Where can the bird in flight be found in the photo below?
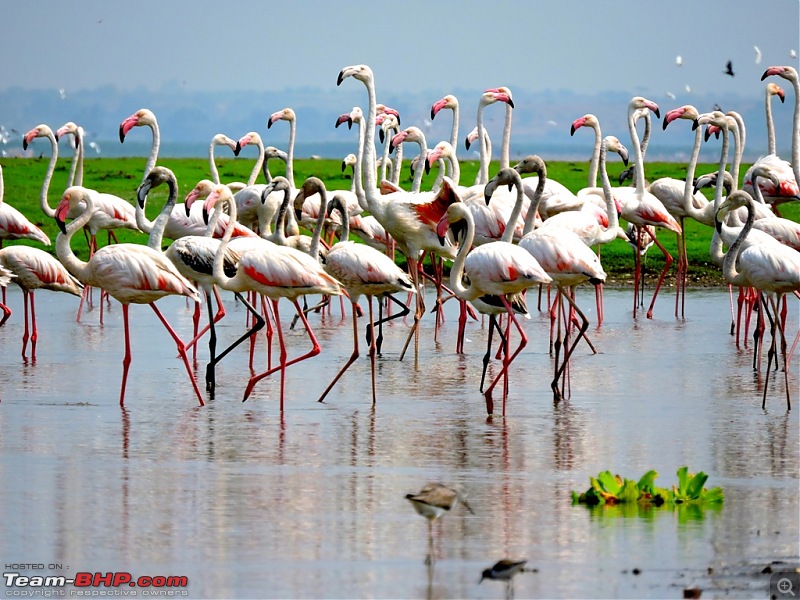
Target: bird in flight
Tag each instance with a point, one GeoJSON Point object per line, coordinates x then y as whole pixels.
{"type": "Point", "coordinates": [758, 54]}
{"type": "Point", "coordinates": [679, 60]}
{"type": "Point", "coordinates": [729, 69]}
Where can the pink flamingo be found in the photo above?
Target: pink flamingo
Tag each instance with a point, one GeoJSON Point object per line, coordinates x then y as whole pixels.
{"type": "Point", "coordinates": [34, 269]}
{"type": "Point", "coordinates": [497, 269]}
{"type": "Point", "coordinates": [567, 260]}
{"type": "Point", "coordinates": [276, 272]}
{"type": "Point", "coordinates": [642, 208]}
{"type": "Point", "coordinates": [771, 268]}
{"type": "Point", "coordinates": [362, 271]}
{"type": "Point", "coordinates": [130, 273]}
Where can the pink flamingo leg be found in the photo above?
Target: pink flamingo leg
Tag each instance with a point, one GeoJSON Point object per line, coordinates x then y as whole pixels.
{"type": "Point", "coordinates": [181, 350]}
{"type": "Point", "coordinates": [508, 358]}
{"type": "Point", "coordinates": [26, 333]}
{"type": "Point", "coordinates": [353, 355]}
{"type": "Point", "coordinates": [126, 360]}
{"type": "Point", "coordinates": [5, 309]}
{"type": "Point", "coordinates": [668, 258]}
{"type": "Point", "coordinates": [315, 349]}
{"type": "Point", "coordinates": [34, 331]}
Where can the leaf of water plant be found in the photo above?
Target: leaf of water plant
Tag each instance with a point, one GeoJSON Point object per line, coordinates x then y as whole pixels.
{"type": "Point", "coordinates": [609, 483]}
{"type": "Point", "coordinates": [695, 488]}
{"type": "Point", "coordinates": [647, 483]}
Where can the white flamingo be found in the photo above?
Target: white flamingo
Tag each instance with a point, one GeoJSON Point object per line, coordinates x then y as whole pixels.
{"type": "Point", "coordinates": [130, 273]}
{"type": "Point", "coordinates": [276, 272]}
{"type": "Point", "coordinates": [34, 269]}
{"type": "Point", "coordinates": [496, 269]}
{"type": "Point", "coordinates": [361, 270]}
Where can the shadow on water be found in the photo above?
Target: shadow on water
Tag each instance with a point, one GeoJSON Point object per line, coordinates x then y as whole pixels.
{"type": "Point", "coordinates": [248, 502]}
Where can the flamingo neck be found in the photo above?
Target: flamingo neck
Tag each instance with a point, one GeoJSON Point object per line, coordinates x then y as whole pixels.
{"type": "Point", "coordinates": [153, 158]}
{"type": "Point", "coordinates": [457, 269]}
{"type": "Point", "coordinates": [51, 167]}
{"type": "Point", "coordinates": [729, 262]}
{"type": "Point", "coordinates": [505, 149]}
{"type": "Point", "coordinates": [535, 201]}
{"type": "Point", "coordinates": [74, 265]}
{"type": "Point", "coordinates": [160, 224]}
{"type": "Point", "coordinates": [771, 147]}
{"type": "Point", "coordinates": [508, 232]}
{"type": "Point", "coordinates": [259, 163]}
{"type": "Point", "coordinates": [638, 152]}
{"type": "Point", "coordinates": [454, 129]}
{"type": "Point", "coordinates": [796, 129]}
{"type": "Point", "coordinates": [212, 164]}
{"type": "Point", "coordinates": [594, 165]}
{"type": "Point", "coordinates": [290, 153]}
{"type": "Point", "coordinates": [613, 218]}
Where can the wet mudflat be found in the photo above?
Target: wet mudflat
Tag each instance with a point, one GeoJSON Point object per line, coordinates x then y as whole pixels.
{"type": "Point", "coordinates": [248, 502]}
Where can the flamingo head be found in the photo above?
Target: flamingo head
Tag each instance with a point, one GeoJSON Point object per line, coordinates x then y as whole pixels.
{"type": "Point", "coordinates": [312, 185]}
{"type": "Point", "coordinates": [155, 178]}
{"type": "Point", "coordinates": [361, 72]}
{"type": "Point", "coordinates": [278, 184]}
{"type": "Point", "coordinates": [639, 103]}
{"type": "Point", "coordinates": [532, 163]}
{"type": "Point", "coordinates": [773, 89]}
{"type": "Point", "coordinates": [507, 176]}
{"type": "Point", "coordinates": [789, 73]}
{"type": "Point", "coordinates": [287, 114]}
{"type": "Point", "coordinates": [448, 101]}
{"type": "Point", "coordinates": [140, 118]}
{"type": "Point", "coordinates": [40, 130]}
{"type": "Point", "coordinates": [71, 198]}
{"type": "Point", "coordinates": [223, 140]}
{"type": "Point", "coordinates": [452, 220]}
{"type": "Point", "coordinates": [203, 188]}
{"type": "Point", "coordinates": [69, 128]}
{"type": "Point", "coordinates": [344, 118]}
{"type": "Point", "coordinates": [613, 144]}
{"type": "Point", "coordinates": [219, 193]}
{"type": "Point", "coordinates": [686, 111]}
{"type": "Point", "coordinates": [248, 138]}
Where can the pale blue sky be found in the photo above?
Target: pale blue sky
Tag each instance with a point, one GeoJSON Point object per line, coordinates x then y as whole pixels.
{"type": "Point", "coordinates": [579, 45]}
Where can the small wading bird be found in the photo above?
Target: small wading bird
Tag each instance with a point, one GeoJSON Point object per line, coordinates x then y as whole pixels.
{"type": "Point", "coordinates": [432, 501]}
{"type": "Point", "coordinates": [505, 570]}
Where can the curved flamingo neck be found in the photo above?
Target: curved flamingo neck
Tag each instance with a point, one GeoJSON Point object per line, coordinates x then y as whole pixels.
{"type": "Point", "coordinates": [595, 162]}
{"type": "Point", "coordinates": [153, 158]}
{"type": "Point", "coordinates": [454, 129]}
{"type": "Point", "coordinates": [212, 164]}
{"type": "Point", "coordinates": [736, 126]}
{"type": "Point", "coordinates": [771, 145]}
{"type": "Point", "coordinates": [219, 257]}
{"type": "Point", "coordinates": [290, 153]}
{"type": "Point", "coordinates": [638, 152]}
{"type": "Point", "coordinates": [715, 250]}
{"type": "Point", "coordinates": [279, 235]}
{"type": "Point", "coordinates": [74, 265]}
{"type": "Point", "coordinates": [259, 163]}
{"type": "Point", "coordinates": [508, 232]}
{"type": "Point", "coordinates": [160, 224]}
{"type": "Point", "coordinates": [729, 262]}
{"type": "Point", "coordinates": [796, 128]}
{"type": "Point", "coordinates": [457, 269]}
{"type": "Point", "coordinates": [51, 167]}
{"type": "Point", "coordinates": [484, 151]}
{"type": "Point", "coordinates": [613, 218]}
{"type": "Point", "coordinates": [535, 201]}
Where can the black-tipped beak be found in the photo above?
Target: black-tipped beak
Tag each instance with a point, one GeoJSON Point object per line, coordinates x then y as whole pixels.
{"type": "Point", "coordinates": [141, 194]}
{"type": "Point", "coordinates": [340, 78]}
{"type": "Point", "coordinates": [24, 144]}
{"type": "Point", "coordinates": [205, 215]}
{"type": "Point", "coordinates": [764, 76]}
{"type": "Point", "coordinates": [298, 214]}
{"type": "Point", "coordinates": [466, 143]}
{"type": "Point", "coordinates": [269, 123]}
{"type": "Point", "coordinates": [511, 103]}
{"type": "Point", "coordinates": [121, 134]}
{"type": "Point", "coordinates": [237, 149]}
{"type": "Point", "coordinates": [664, 124]}
{"type": "Point", "coordinates": [61, 225]}
{"type": "Point", "coordinates": [344, 166]}
{"type": "Point", "coordinates": [657, 113]}
{"type": "Point", "coordinates": [695, 124]}
{"type": "Point", "coordinates": [572, 129]}
{"type": "Point", "coordinates": [187, 208]}
{"type": "Point", "coordinates": [381, 136]}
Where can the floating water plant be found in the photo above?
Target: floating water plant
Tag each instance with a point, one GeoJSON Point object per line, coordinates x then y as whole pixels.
{"type": "Point", "coordinates": [611, 489]}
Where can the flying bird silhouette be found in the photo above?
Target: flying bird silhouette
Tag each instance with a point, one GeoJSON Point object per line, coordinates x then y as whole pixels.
{"type": "Point", "coordinates": [679, 60]}
{"type": "Point", "coordinates": [729, 69]}
{"type": "Point", "coordinates": [758, 54]}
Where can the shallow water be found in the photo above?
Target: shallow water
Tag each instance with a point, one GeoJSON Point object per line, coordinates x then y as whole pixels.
{"type": "Point", "coordinates": [248, 502]}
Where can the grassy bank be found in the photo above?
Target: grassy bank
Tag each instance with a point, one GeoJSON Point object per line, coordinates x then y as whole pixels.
{"type": "Point", "coordinates": [121, 176]}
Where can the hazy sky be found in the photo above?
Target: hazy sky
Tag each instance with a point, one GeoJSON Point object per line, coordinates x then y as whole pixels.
{"type": "Point", "coordinates": [580, 45]}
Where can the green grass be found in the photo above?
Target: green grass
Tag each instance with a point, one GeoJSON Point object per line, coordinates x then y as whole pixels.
{"type": "Point", "coordinates": [121, 176]}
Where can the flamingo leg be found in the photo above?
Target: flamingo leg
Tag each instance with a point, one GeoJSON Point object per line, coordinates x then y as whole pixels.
{"type": "Point", "coordinates": [126, 360]}
{"type": "Point", "coordinates": [404, 310]}
{"type": "Point", "coordinates": [508, 358]}
{"type": "Point", "coordinates": [34, 331]}
{"type": "Point", "coordinates": [771, 352]}
{"type": "Point", "coordinates": [5, 309]}
{"type": "Point", "coordinates": [315, 349]}
{"type": "Point", "coordinates": [373, 352]}
{"type": "Point", "coordinates": [258, 324]}
{"type": "Point", "coordinates": [637, 272]}
{"type": "Point", "coordinates": [26, 332]}
{"type": "Point", "coordinates": [668, 258]}
{"type": "Point", "coordinates": [351, 360]}
{"type": "Point", "coordinates": [570, 349]}
{"type": "Point", "coordinates": [413, 271]}
{"type": "Point", "coordinates": [493, 326]}
{"type": "Point", "coordinates": [212, 320]}
{"type": "Point", "coordinates": [181, 350]}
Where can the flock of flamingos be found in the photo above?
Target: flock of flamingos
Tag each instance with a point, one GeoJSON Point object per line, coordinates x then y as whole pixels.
{"type": "Point", "coordinates": [504, 235]}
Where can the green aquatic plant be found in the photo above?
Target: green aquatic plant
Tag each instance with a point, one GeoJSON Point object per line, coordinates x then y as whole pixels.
{"type": "Point", "coordinates": [609, 489]}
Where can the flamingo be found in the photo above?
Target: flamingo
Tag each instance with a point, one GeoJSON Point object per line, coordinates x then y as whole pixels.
{"type": "Point", "coordinates": [76, 168]}
{"type": "Point", "coordinates": [144, 117]}
{"type": "Point", "coordinates": [771, 268]}
{"type": "Point", "coordinates": [498, 269]}
{"type": "Point", "coordinates": [5, 279]}
{"type": "Point", "coordinates": [16, 226]}
{"type": "Point", "coordinates": [789, 172]}
{"type": "Point", "coordinates": [361, 270]}
{"type": "Point", "coordinates": [640, 206]}
{"type": "Point", "coordinates": [130, 273]}
{"type": "Point", "coordinates": [276, 272]}
{"type": "Point", "coordinates": [34, 269]}
{"type": "Point", "coordinates": [681, 201]}
{"type": "Point", "coordinates": [410, 219]}
{"type": "Point", "coordinates": [193, 256]}
{"type": "Point", "coordinates": [449, 102]}
{"type": "Point", "coordinates": [567, 260]}
{"type": "Point", "coordinates": [593, 227]}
